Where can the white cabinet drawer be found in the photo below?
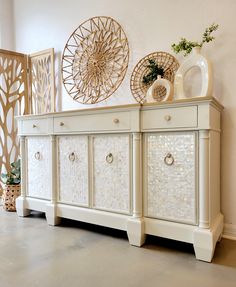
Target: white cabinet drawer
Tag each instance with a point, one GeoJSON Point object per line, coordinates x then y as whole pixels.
{"type": "Point", "coordinates": [94, 122]}
{"type": "Point", "coordinates": [38, 167]}
{"type": "Point", "coordinates": [73, 169]}
{"type": "Point", "coordinates": [171, 176]}
{"type": "Point", "coordinates": [111, 173]}
{"type": "Point", "coordinates": [183, 117]}
{"type": "Point", "coordinates": [36, 126]}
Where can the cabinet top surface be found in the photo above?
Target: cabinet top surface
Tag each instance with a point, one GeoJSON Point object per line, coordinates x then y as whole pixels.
{"type": "Point", "coordinates": [130, 107]}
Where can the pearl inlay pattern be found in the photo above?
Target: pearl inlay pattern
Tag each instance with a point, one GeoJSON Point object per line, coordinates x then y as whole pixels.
{"type": "Point", "coordinates": [112, 177]}
{"type": "Point", "coordinates": [73, 169]}
{"type": "Point", "coordinates": [171, 189]}
{"type": "Point", "coordinates": [38, 169]}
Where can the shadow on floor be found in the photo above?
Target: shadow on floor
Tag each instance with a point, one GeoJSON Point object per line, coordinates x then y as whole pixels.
{"type": "Point", "coordinates": [225, 253]}
{"type": "Point", "coordinates": [164, 244]}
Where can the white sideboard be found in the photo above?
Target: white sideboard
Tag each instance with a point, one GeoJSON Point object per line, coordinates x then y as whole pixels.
{"type": "Point", "coordinates": [151, 169]}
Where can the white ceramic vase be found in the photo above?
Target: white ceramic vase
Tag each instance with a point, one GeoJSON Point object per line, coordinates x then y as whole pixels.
{"type": "Point", "coordinates": [195, 59]}
{"type": "Point", "coordinates": [160, 82]}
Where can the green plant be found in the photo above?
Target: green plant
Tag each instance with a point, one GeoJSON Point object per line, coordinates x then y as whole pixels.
{"type": "Point", "coordinates": [13, 176]}
{"type": "Point", "coordinates": [187, 46]}
{"type": "Point", "coordinates": [155, 70]}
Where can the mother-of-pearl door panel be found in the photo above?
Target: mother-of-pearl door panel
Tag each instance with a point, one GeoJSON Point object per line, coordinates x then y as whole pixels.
{"type": "Point", "coordinates": [111, 173]}
{"type": "Point", "coordinates": [73, 169]}
{"type": "Point", "coordinates": [171, 176]}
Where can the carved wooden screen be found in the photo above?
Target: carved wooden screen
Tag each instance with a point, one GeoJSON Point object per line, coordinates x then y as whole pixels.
{"type": "Point", "coordinates": [42, 86]}
{"type": "Point", "coordinates": [13, 101]}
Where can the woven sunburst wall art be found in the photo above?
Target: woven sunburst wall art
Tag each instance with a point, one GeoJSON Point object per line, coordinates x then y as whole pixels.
{"type": "Point", "coordinates": [95, 60]}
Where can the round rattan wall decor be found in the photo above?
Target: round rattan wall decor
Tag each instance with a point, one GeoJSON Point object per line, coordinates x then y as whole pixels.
{"type": "Point", "coordinates": [164, 60]}
{"type": "Point", "coordinates": [95, 60]}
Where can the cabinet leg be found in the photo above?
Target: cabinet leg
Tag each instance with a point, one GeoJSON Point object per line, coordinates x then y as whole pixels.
{"type": "Point", "coordinates": [204, 240]}
{"type": "Point", "coordinates": [21, 207]}
{"type": "Point", "coordinates": [52, 218]}
{"type": "Point", "coordinates": [135, 231]}
{"type": "Point", "coordinates": [203, 244]}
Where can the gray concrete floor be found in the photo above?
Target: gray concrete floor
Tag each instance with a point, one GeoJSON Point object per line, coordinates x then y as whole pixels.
{"type": "Point", "coordinates": [77, 254]}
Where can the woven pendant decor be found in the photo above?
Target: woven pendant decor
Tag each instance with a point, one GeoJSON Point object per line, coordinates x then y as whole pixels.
{"type": "Point", "coordinates": [95, 60]}
{"type": "Point", "coordinates": [164, 60]}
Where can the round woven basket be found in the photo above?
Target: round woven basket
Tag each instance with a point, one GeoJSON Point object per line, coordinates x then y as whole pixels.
{"type": "Point", "coordinates": [164, 60]}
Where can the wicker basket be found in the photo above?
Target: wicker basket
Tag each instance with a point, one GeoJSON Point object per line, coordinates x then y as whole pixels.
{"type": "Point", "coordinates": [164, 60]}
{"type": "Point", "coordinates": [10, 193]}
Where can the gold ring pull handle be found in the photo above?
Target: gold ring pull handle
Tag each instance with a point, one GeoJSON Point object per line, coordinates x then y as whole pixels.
{"type": "Point", "coordinates": [72, 156]}
{"type": "Point", "coordinates": [169, 159]}
{"type": "Point", "coordinates": [37, 155]}
{"type": "Point", "coordinates": [109, 158]}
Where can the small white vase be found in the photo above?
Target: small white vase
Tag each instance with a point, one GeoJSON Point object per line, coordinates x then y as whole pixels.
{"type": "Point", "coordinates": [195, 59]}
{"type": "Point", "coordinates": [160, 82]}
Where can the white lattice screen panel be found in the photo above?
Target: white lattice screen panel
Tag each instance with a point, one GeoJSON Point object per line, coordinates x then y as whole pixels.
{"type": "Point", "coordinates": [42, 84]}
{"type": "Point", "coordinates": [13, 101]}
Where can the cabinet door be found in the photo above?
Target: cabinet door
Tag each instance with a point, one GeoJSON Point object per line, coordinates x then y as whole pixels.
{"type": "Point", "coordinates": [111, 173]}
{"type": "Point", "coordinates": [171, 176]}
{"type": "Point", "coordinates": [38, 167]}
{"type": "Point", "coordinates": [73, 169]}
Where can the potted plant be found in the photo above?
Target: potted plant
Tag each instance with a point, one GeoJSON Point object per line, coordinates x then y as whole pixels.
{"type": "Point", "coordinates": [12, 186]}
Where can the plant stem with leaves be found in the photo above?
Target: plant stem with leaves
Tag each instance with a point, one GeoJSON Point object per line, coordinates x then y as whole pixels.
{"type": "Point", "coordinates": [187, 46]}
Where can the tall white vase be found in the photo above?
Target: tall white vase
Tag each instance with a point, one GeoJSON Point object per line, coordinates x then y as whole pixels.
{"type": "Point", "coordinates": [195, 59]}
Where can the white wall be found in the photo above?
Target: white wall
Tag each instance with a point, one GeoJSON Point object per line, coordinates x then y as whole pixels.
{"type": "Point", "coordinates": [151, 25]}
{"type": "Point", "coordinates": [6, 25]}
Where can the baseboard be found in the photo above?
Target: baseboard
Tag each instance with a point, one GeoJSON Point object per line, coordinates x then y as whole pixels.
{"type": "Point", "coordinates": [229, 231]}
